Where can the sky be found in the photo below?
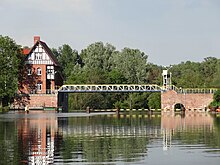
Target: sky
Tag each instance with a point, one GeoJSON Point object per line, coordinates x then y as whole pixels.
{"type": "Point", "coordinates": [168, 31]}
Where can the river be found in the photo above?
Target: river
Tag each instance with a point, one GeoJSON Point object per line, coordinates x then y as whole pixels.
{"type": "Point", "coordinates": [136, 138]}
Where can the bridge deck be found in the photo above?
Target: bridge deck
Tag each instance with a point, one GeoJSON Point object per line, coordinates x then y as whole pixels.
{"type": "Point", "coordinates": [114, 88]}
{"type": "Point", "coordinates": [110, 88]}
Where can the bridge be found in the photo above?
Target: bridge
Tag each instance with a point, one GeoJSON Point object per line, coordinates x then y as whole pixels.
{"type": "Point", "coordinates": [189, 98]}
{"type": "Point", "coordinates": [110, 88]}
{"type": "Point", "coordinates": [129, 88]}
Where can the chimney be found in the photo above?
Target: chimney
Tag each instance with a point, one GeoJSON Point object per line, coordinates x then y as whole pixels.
{"type": "Point", "coordinates": [36, 38]}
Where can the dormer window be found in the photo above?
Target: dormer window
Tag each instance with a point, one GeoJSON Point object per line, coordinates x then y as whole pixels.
{"type": "Point", "coordinates": [38, 71]}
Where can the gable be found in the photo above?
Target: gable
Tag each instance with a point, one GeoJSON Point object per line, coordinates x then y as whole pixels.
{"type": "Point", "coordinates": [41, 54]}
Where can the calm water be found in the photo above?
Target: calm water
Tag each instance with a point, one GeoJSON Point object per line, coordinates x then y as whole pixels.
{"type": "Point", "coordinates": [49, 138]}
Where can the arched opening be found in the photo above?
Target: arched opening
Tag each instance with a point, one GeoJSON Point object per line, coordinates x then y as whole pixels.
{"type": "Point", "coordinates": [179, 107]}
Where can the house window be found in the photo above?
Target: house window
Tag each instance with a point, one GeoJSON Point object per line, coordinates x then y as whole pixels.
{"type": "Point", "coordinates": [39, 86]}
{"type": "Point", "coordinates": [38, 71]}
{"type": "Point", "coordinates": [29, 71]}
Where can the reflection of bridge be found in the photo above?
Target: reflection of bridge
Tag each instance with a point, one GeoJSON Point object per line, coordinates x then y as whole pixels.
{"type": "Point", "coordinates": [103, 130]}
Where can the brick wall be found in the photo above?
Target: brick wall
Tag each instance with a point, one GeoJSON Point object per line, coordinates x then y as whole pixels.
{"type": "Point", "coordinates": [190, 101]}
{"type": "Point", "coordinates": [43, 100]}
{"type": "Point", "coordinates": [35, 101]}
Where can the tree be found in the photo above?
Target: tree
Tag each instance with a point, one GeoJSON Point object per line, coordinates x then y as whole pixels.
{"type": "Point", "coordinates": [98, 56]}
{"type": "Point", "coordinates": [67, 58]}
{"type": "Point", "coordinates": [216, 76]}
{"type": "Point", "coordinates": [197, 75]}
{"type": "Point", "coordinates": [154, 101]}
{"type": "Point", "coordinates": [10, 57]}
{"type": "Point", "coordinates": [132, 64]}
{"type": "Point", "coordinates": [216, 100]}
{"type": "Point", "coordinates": [154, 74]}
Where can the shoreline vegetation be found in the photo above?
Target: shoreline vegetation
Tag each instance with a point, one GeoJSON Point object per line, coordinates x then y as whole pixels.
{"type": "Point", "coordinates": [101, 63]}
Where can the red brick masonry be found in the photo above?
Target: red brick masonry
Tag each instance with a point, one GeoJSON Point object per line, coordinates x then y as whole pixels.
{"type": "Point", "coordinates": [36, 101]}
{"type": "Point", "coordinates": [189, 100]}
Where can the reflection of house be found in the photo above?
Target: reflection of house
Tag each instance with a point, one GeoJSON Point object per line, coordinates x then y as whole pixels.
{"type": "Point", "coordinates": [41, 73]}
{"type": "Point", "coordinates": [40, 77]}
{"type": "Point", "coordinates": [37, 139]}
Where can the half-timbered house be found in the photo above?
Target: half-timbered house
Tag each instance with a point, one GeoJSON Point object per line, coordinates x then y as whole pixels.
{"type": "Point", "coordinates": [42, 75]}
{"type": "Point", "coordinates": [39, 78]}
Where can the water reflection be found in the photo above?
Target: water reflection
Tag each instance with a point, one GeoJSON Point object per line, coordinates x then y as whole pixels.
{"type": "Point", "coordinates": [187, 125]}
{"type": "Point", "coordinates": [105, 139]}
{"type": "Point", "coordinates": [36, 137]}
{"type": "Point", "coordinates": [47, 139]}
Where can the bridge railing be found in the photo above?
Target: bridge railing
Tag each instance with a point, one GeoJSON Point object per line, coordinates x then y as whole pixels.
{"type": "Point", "coordinates": [199, 90]}
{"type": "Point", "coordinates": [192, 90]}
{"type": "Point", "coordinates": [110, 88]}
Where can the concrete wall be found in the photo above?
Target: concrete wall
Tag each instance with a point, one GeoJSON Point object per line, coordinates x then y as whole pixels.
{"type": "Point", "coordinates": [189, 100]}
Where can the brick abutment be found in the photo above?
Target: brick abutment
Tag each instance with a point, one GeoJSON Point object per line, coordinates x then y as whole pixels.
{"type": "Point", "coordinates": [169, 99]}
{"type": "Point", "coordinates": [190, 101]}
{"type": "Point", "coordinates": [35, 101]}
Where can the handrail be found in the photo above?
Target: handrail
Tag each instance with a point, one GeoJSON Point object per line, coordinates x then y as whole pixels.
{"type": "Point", "coordinates": [93, 88]}
{"type": "Point", "coordinates": [86, 88]}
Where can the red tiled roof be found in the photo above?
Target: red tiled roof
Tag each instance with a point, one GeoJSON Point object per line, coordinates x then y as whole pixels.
{"type": "Point", "coordinates": [25, 51]}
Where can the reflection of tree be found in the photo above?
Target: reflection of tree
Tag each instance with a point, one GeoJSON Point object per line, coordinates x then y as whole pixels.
{"type": "Point", "coordinates": [105, 139]}
{"type": "Point", "coordinates": [216, 138]}
{"type": "Point", "coordinates": [102, 149]}
{"type": "Point", "coordinates": [9, 143]}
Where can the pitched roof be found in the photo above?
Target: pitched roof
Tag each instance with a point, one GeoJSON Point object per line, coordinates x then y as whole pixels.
{"type": "Point", "coordinates": [47, 50]}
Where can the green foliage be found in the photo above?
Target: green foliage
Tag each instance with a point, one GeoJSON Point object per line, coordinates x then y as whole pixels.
{"type": "Point", "coordinates": [216, 79]}
{"type": "Point", "coordinates": [216, 100]}
{"type": "Point", "coordinates": [10, 57]}
{"type": "Point", "coordinates": [67, 59]}
{"type": "Point", "coordinates": [153, 75]}
{"type": "Point", "coordinates": [102, 64]}
{"type": "Point", "coordinates": [197, 75]}
{"type": "Point", "coordinates": [154, 101]}
{"type": "Point", "coordinates": [132, 64]}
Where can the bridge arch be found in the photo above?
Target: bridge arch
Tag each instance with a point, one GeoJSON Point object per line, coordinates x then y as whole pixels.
{"type": "Point", "coordinates": [179, 106]}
